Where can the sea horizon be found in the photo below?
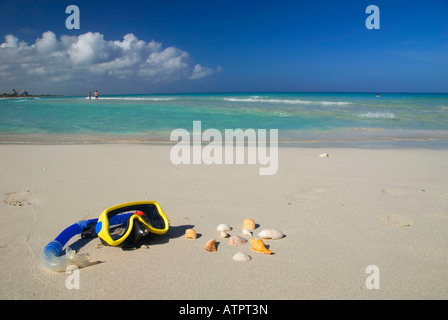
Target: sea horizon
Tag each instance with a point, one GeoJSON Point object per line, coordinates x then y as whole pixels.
{"type": "Point", "coordinates": [252, 92]}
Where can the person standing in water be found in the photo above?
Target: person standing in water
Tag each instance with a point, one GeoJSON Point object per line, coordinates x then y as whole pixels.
{"type": "Point", "coordinates": [90, 95]}
{"type": "Point", "coordinates": [96, 94]}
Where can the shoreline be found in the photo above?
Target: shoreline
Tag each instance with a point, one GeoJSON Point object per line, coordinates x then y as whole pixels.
{"type": "Point", "coordinates": [341, 214]}
{"type": "Point", "coordinates": [378, 143]}
{"type": "Point", "coordinates": [29, 96]}
{"type": "Point", "coordinates": [20, 96]}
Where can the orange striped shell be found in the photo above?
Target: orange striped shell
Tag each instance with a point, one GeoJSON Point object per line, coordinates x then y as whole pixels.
{"type": "Point", "coordinates": [210, 246]}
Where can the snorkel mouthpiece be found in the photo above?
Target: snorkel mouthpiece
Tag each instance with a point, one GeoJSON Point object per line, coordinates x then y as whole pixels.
{"type": "Point", "coordinates": [51, 260]}
{"type": "Point", "coordinates": [50, 257]}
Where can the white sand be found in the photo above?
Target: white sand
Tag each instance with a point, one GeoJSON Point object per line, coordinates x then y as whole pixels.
{"type": "Point", "coordinates": [340, 214]}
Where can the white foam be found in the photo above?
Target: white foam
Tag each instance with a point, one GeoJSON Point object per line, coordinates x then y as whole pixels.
{"type": "Point", "coordinates": [286, 101]}
{"type": "Point", "coordinates": [377, 115]}
{"type": "Point", "coordinates": [267, 100]}
{"type": "Point", "coordinates": [338, 103]}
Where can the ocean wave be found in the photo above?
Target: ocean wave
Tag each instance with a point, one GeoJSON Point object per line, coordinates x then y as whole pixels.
{"type": "Point", "coordinates": [337, 103]}
{"type": "Point", "coordinates": [377, 115]}
{"type": "Point", "coordinates": [286, 101]}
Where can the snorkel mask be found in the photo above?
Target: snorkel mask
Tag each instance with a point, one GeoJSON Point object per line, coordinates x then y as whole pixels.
{"type": "Point", "coordinates": [128, 223]}
{"type": "Point", "coordinates": [122, 225]}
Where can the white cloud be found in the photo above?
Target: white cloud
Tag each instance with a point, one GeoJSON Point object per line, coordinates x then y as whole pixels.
{"type": "Point", "coordinates": [47, 44]}
{"type": "Point", "coordinates": [202, 72]}
{"type": "Point", "coordinates": [73, 60]}
{"type": "Point", "coordinates": [11, 42]}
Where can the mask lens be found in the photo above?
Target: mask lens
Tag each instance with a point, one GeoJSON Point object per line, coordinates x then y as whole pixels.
{"type": "Point", "coordinates": [118, 224]}
{"type": "Point", "coordinates": [119, 219]}
{"type": "Point", "coordinates": [152, 217]}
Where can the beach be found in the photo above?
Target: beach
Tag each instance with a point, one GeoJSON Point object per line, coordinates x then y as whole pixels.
{"type": "Point", "coordinates": [136, 145]}
{"type": "Point", "coordinates": [359, 207]}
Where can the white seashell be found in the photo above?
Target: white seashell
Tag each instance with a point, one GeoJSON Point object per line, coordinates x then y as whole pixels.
{"type": "Point", "coordinates": [247, 232]}
{"type": "Point", "coordinates": [270, 234]}
{"type": "Point", "coordinates": [223, 227]}
{"type": "Point", "coordinates": [324, 155]}
{"type": "Point", "coordinates": [241, 256]}
{"type": "Point", "coordinates": [223, 234]}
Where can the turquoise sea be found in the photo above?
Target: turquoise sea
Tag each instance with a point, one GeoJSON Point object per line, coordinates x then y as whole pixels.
{"type": "Point", "coordinates": [299, 117]}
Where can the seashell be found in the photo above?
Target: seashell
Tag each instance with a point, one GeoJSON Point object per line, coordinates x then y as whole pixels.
{"type": "Point", "coordinates": [236, 241]}
{"type": "Point", "coordinates": [223, 227]}
{"type": "Point", "coordinates": [223, 234]}
{"type": "Point", "coordinates": [210, 246]}
{"type": "Point", "coordinates": [190, 234]}
{"type": "Point", "coordinates": [259, 247]}
{"type": "Point", "coordinates": [249, 224]}
{"type": "Point", "coordinates": [273, 234]}
{"type": "Point", "coordinates": [324, 155]}
{"type": "Point", "coordinates": [247, 232]}
{"type": "Point", "coordinates": [241, 256]}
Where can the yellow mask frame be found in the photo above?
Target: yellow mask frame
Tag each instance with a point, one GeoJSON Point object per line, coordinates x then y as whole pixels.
{"type": "Point", "coordinates": [148, 213]}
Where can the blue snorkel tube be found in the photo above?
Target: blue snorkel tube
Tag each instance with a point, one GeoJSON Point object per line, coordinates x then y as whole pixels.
{"type": "Point", "coordinates": [50, 257]}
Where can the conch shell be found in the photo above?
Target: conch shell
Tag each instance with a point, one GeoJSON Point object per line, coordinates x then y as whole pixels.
{"type": "Point", "coordinates": [259, 247]}
{"type": "Point", "coordinates": [273, 234]}
{"type": "Point", "coordinates": [190, 234]}
{"type": "Point", "coordinates": [210, 246]}
{"type": "Point", "coordinates": [249, 224]}
{"type": "Point", "coordinates": [236, 241]}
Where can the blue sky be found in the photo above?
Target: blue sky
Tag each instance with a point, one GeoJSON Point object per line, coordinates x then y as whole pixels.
{"type": "Point", "coordinates": [224, 46]}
